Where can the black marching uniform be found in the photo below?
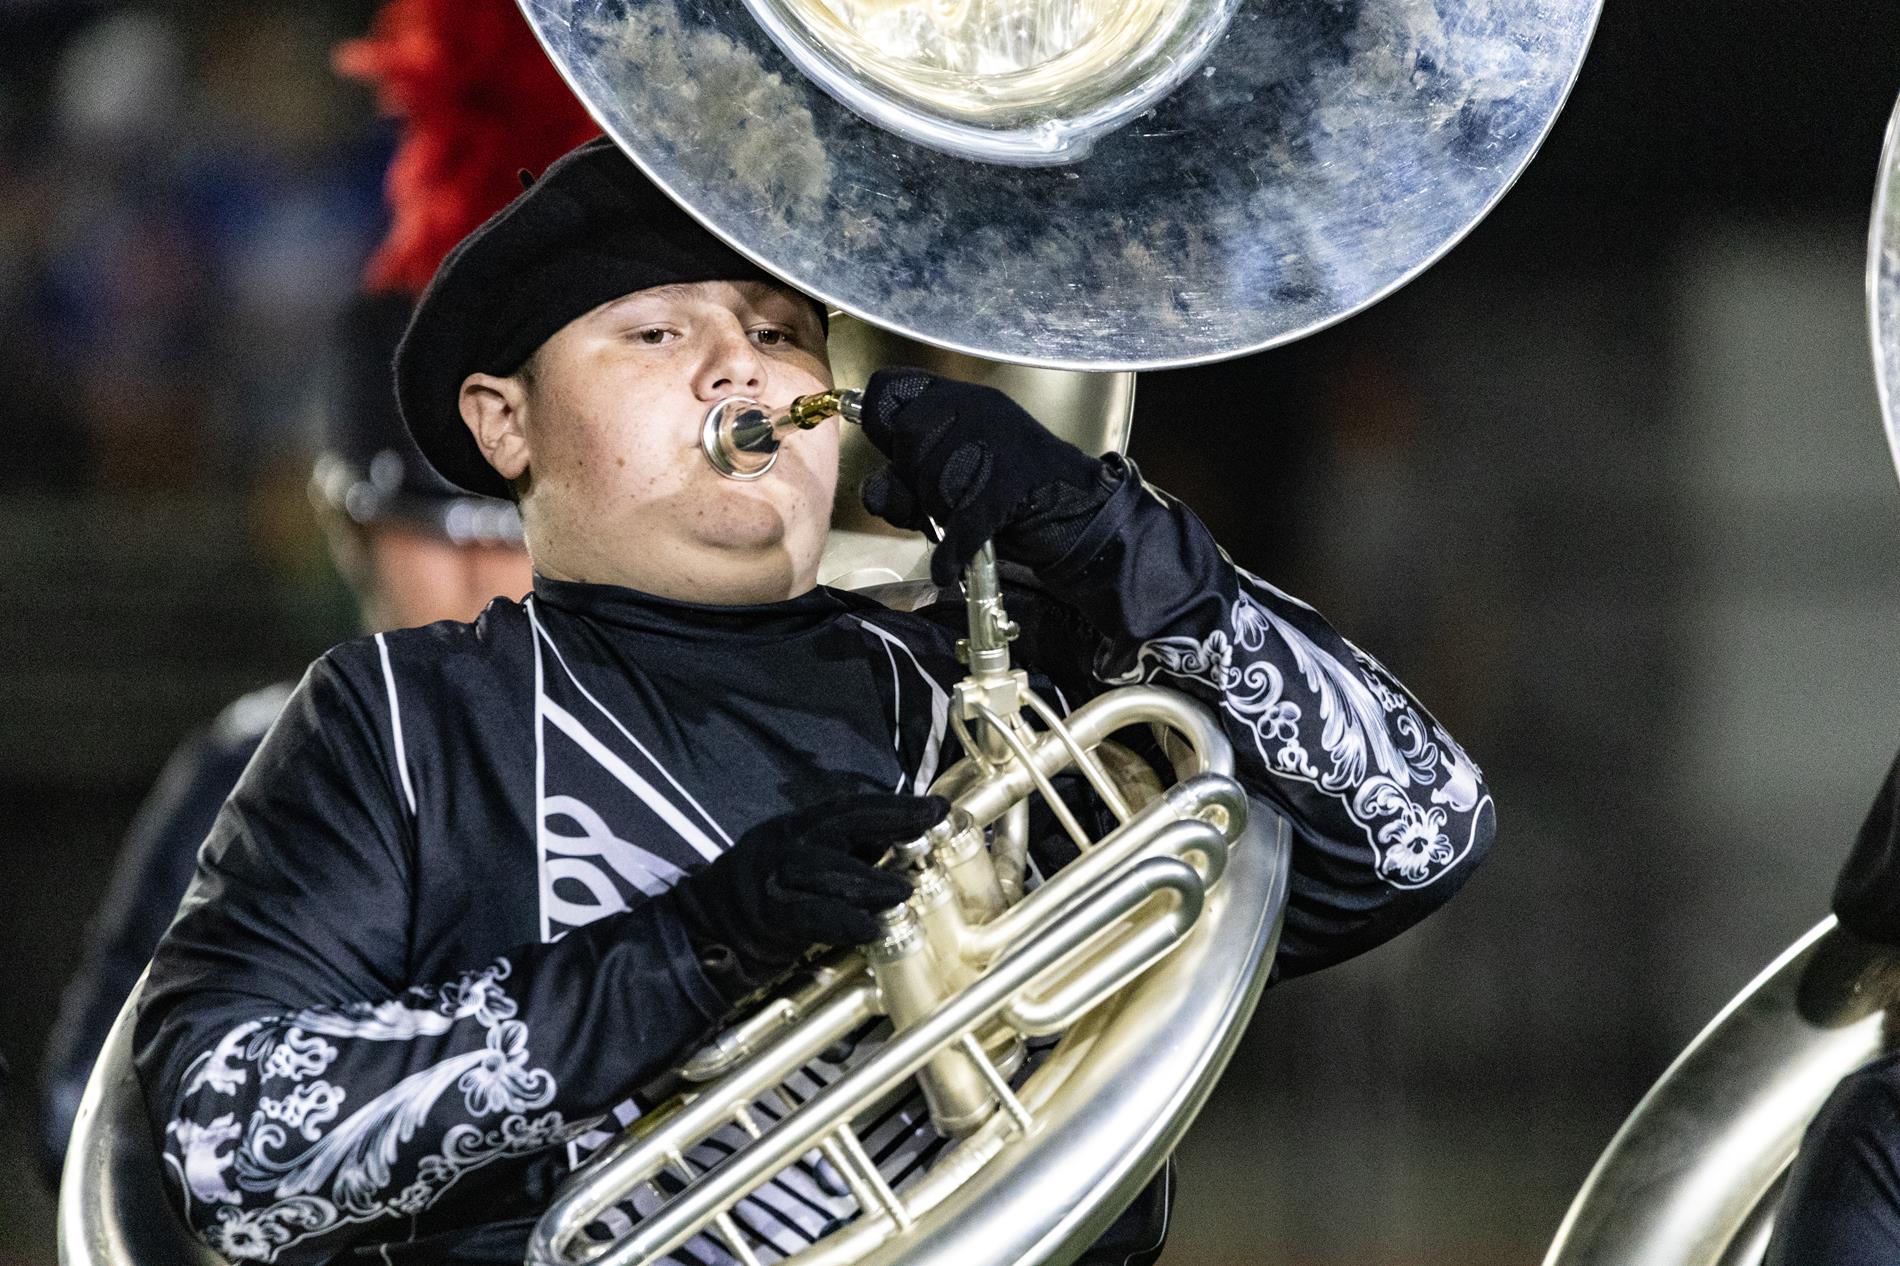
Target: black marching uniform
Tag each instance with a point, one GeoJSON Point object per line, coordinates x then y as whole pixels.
{"type": "Point", "coordinates": [430, 953]}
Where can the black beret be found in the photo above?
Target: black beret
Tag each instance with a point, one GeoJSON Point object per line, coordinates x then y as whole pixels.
{"type": "Point", "coordinates": [590, 230]}
{"type": "Point", "coordinates": [368, 469]}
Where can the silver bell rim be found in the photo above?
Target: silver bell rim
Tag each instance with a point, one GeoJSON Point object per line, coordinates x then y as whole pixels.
{"type": "Point", "coordinates": [1883, 286]}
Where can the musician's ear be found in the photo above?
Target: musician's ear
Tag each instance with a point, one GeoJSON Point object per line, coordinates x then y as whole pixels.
{"type": "Point", "coordinates": [494, 409]}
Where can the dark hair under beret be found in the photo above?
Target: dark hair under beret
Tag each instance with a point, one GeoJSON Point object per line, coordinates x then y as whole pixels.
{"type": "Point", "coordinates": [590, 230]}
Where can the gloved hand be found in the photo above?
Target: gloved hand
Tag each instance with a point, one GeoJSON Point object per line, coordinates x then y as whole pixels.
{"type": "Point", "coordinates": [970, 458]}
{"type": "Point", "coordinates": [801, 879]}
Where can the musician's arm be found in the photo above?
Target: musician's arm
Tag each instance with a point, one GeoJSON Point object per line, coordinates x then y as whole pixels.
{"type": "Point", "coordinates": [1389, 814]}
{"type": "Point", "coordinates": [308, 1093]}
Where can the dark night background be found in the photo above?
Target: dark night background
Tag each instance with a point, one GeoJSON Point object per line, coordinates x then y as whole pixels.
{"type": "Point", "coordinates": [1607, 487]}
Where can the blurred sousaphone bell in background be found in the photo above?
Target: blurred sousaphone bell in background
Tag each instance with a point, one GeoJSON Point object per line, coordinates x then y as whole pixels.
{"type": "Point", "coordinates": [1694, 1176]}
{"type": "Point", "coordinates": [1047, 196]}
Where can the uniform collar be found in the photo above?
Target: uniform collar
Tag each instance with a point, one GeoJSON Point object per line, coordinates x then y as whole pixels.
{"type": "Point", "coordinates": [632, 609]}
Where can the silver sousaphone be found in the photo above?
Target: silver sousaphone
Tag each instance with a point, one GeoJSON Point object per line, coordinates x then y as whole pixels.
{"type": "Point", "coordinates": [1694, 1175]}
{"type": "Point", "coordinates": [1048, 195]}
{"type": "Point", "coordinates": [1071, 185]}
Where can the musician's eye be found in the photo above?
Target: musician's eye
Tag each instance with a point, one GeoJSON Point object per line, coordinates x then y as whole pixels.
{"type": "Point", "coordinates": [655, 335]}
{"type": "Point", "coordinates": [771, 336]}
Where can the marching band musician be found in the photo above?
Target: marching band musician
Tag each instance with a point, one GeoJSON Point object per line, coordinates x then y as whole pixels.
{"type": "Point", "coordinates": [484, 881]}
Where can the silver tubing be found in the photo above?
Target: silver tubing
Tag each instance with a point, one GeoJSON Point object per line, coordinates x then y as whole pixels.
{"type": "Point", "coordinates": [732, 1046]}
{"type": "Point", "coordinates": [609, 1179]}
{"type": "Point", "coordinates": [1114, 966]}
{"type": "Point", "coordinates": [1159, 830]}
{"type": "Point", "coordinates": [1014, 742]}
{"type": "Point", "coordinates": [999, 1087]}
{"type": "Point", "coordinates": [851, 1147]}
{"type": "Point", "coordinates": [1082, 758]}
{"type": "Point", "coordinates": [1009, 851]}
{"type": "Point", "coordinates": [1092, 723]}
{"type": "Point", "coordinates": [903, 1056]}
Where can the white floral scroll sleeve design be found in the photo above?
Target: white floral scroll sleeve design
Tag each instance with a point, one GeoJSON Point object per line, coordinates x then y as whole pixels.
{"type": "Point", "coordinates": [1317, 710]}
{"type": "Point", "coordinates": [271, 1150]}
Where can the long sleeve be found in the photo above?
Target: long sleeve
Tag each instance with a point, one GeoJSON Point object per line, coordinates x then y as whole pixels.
{"type": "Point", "coordinates": [307, 1093]}
{"type": "Point", "coordinates": [1389, 814]}
{"type": "Point", "coordinates": [149, 876]}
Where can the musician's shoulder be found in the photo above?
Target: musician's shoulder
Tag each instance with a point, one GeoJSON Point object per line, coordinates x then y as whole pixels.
{"type": "Point", "coordinates": [244, 720]}
{"type": "Point", "coordinates": [447, 650]}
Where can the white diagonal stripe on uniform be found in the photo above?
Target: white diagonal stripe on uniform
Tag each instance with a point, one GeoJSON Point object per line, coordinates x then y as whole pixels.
{"type": "Point", "coordinates": [540, 794]}
{"type": "Point", "coordinates": [939, 709]}
{"type": "Point", "coordinates": [395, 724]}
{"type": "Point", "coordinates": [625, 733]}
{"type": "Point", "coordinates": [667, 811]}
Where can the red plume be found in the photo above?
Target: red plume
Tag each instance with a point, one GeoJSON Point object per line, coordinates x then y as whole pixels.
{"type": "Point", "coordinates": [479, 101]}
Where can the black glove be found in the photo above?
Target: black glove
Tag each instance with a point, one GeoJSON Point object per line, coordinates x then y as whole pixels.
{"type": "Point", "coordinates": [973, 460]}
{"type": "Point", "coordinates": [801, 879]}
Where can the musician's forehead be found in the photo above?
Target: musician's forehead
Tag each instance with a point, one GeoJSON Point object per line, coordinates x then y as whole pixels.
{"type": "Point", "coordinates": [749, 290]}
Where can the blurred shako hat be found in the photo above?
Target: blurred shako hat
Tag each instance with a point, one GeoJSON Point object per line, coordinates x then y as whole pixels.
{"type": "Point", "coordinates": [368, 470]}
{"type": "Point", "coordinates": [590, 230]}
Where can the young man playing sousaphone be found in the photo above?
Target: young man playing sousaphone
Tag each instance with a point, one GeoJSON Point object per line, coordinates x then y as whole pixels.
{"type": "Point", "coordinates": [484, 881]}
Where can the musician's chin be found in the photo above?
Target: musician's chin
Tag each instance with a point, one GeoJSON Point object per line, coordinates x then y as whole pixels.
{"type": "Point", "coordinates": [743, 524]}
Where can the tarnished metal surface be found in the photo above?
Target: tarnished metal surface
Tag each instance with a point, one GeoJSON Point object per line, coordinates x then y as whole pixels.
{"type": "Point", "coordinates": [1883, 284]}
{"type": "Point", "coordinates": [1692, 1176]}
{"type": "Point", "coordinates": [1325, 152]}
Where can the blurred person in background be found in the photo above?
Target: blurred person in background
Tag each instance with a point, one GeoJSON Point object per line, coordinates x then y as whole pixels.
{"type": "Point", "coordinates": [1842, 1206]}
{"type": "Point", "coordinates": [478, 102]}
{"type": "Point", "coordinates": [204, 205]}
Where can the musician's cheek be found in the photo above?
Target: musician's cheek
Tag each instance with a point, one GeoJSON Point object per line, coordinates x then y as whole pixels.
{"type": "Point", "coordinates": [610, 433]}
{"type": "Point", "coordinates": [812, 470]}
